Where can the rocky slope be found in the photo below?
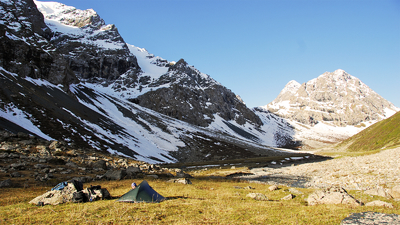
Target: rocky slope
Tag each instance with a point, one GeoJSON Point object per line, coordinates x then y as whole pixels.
{"type": "Point", "coordinates": [69, 76]}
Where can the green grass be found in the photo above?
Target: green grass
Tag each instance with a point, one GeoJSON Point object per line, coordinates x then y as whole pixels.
{"type": "Point", "coordinates": [206, 201]}
{"type": "Point", "coordinates": [382, 135]}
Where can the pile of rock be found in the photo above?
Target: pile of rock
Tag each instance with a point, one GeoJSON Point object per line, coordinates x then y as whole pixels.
{"type": "Point", "coordinates": [25, 160]}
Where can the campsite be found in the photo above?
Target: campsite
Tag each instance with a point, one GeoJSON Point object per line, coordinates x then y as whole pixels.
{"type": "Point", "coordinates": [263, 190]}
{"type": "Point", "coordinates": [205, 201]}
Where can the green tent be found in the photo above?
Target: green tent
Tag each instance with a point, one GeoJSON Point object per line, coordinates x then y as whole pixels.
{"type": "Point", "coordinates": [142, 193]}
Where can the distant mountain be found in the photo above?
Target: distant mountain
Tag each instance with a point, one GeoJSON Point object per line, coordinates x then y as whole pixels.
{"type": "Point", "coordinates": [383, 134]}
{"type": "Point", "coordinates": [331, 107]}
{"type": "Point", "coordinates": [67, 75]}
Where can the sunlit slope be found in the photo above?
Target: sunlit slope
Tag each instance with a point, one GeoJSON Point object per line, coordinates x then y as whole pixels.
{"type": "Point", "coordinates": [383, 134]}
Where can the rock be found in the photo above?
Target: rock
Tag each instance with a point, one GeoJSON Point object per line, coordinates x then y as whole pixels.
{"type": "Point", "coordinates": [43, 150]}
{"type": "Point", "coordinates": [183, 175]}
{"type": "Point", "coordinates": [288, 197]}
{"type": "Point", "coordinates": [295, 191]}
{"type": "Point", "coordinates": [248, 187]}
{"type": "Point", "coordinates": [132, 171]}
{"type": "Point", "coordinates": [257, 196]}
{"type": "Point", "coordinates": [56, 197]}
{"type": "Point", "coordinates": [8, 147]}
{"type": "Point", "coordinates": [273, 188]}
{"type": "Point", "coordinates": [378, 191]}
{"type": "Point", "coordinates": [85, 179]}
{"type": "Point", "coordinates": [395, 192]}
{"type": "Point", "coordinates": [181, 181]}
{"type": "Point", "coordinates": [56, 144]}
{"type": "Point", "coordinates": [115, 174]}
{"type": "Point", "coordinates": [15, 174]}
{"type": "Point", "coordinates": [100, 164]}
{"type": "Point", "coordinates": [152, 176]}
{"type": "Point", "coordinates": [71, 164]}
{"type": "Point", "coordinates": [4, 155]}
{"type": "Point", "coordinates": [332, 195]}
{"type": "Point", "coordinates": [18, 166]}
{"type": "Point", "coordinates": [371, 218]}
{"type": "Point", "coordinates": [41, 166]}
{"type": "Point", "coordinates": [5, 183]}
{"type": "Point", "coordinates": [380, 203]}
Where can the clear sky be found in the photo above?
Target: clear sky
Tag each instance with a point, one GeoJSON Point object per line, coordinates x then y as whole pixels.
{"type": "Point", "coordinates": [255, 47]}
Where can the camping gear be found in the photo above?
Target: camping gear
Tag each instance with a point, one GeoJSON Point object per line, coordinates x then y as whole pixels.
{"type": "Point", "coordinates": [78, 185]}
{"type": "Point", "coordinates": [60, 186]}
{"type": "Point", "coordinates": [142, 193]}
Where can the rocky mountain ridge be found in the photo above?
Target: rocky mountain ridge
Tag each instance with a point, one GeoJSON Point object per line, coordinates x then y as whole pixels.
{"type": "Point", "coordinates": [99, 92]}
{"type": "Point", "coordinates": [329, 108]}
{"type": "Point", "coordinates": [335, 97]}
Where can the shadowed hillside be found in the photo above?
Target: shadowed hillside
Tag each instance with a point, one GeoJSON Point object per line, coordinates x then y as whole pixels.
{"type": "Point", "coordinates": [383, 134]}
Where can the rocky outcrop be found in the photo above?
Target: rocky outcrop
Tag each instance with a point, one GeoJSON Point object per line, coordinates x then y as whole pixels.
{"type": "Point", "coordinates": [371, 218]}
{"type": "Point", "coordinates": [195, 98]}
{"type": "Point", "coordinates": [25, 47]}
{"type": "Point", "coordinates": [93, 49]}
{"type": "Point", "coordinates": [337, 98]}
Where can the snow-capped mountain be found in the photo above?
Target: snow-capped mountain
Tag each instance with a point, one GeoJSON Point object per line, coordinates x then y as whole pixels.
{"type": "Point", "coordinates": [66, 74]}
{"type": "Point", "coordinates": [331, 107]}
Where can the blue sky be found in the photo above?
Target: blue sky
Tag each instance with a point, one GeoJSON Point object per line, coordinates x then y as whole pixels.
{"type": "Point", "coordinates": [255, 47]}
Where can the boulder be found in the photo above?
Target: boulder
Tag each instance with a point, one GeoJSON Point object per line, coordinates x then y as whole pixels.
{"type": "Point", "coordinates": [371, 218]}
{"type": "Point", "coordinates": [273, 188]}
{"type": "Point", "coordinates": [18, 166]}
{"type": "Point", "coordinates": [332, 195]}
{"type": "Point", "coordinates": [257, 196]}
{"type": "Point", "coordinates": [288, 197]}
{"type": "Point", "coordinates": [41, 166]}
{"type": "Point", "coordinates": [15, 174]}
{"type": "Point", "coordinates": [378, 191]}
{"type": "Point", "coordinates": [132, 171]}
{"type": "Point", "coordinates": [101, 164]}
{"type": "Point", "coordinates": [295, 191]}
{"type": "Point", "coordinates": [181, 181]}
{"type": "Point", "coordinates": [5, 183]}
{"type": "Point", "coordinates": [380, 203]}
{"type": "Point", "coordinates": [115, 174]}
{"type": "Point", "coordinates": [395, 192]}
{"type": "Point", "coordinates": [43, 150]}
{"type": "Point", "coordinates": [56, 197]}
{"type": "Point", "coordinates": [182, 174]}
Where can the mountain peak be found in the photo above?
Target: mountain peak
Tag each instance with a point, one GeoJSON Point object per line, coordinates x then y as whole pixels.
{"type": "Point", "coordinates": [292, 86]}
{"type": "Point", "coordinates": [69, 15]}
{"type": "Point", "coordinates": [333, 97]}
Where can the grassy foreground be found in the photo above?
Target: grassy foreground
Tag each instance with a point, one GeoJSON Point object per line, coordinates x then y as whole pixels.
{"type": "Point", "coordinates": [206, 201]}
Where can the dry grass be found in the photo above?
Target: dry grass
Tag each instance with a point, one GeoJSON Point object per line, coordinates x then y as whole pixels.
{"type": "Point", "coordinates": [206, 201]}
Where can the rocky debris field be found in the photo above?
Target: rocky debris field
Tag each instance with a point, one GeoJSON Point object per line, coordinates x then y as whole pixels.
{"type": "Point", "coordinates": [26, 160]}
{"type": "Point", "coordinates": [376, 174]}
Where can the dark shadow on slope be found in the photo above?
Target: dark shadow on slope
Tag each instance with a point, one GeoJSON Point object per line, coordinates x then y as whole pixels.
{"type": "Point", "coordinates": [242, 132]}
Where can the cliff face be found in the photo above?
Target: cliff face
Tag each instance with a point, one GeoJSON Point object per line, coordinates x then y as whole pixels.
{"type": "Point", "coordinates": [195, 98]}
{"type": "Point", "coordinates": [337, 98]}
{"type": "Point", "coordinates": [25, 47]}
{"type": "Point", "coordinates": [93, 49]}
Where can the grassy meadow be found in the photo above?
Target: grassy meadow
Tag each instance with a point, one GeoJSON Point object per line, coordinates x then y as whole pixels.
{"type": "Point", "coordinates": [206, 201]}
{"type": "Point", "coordinates": [381, 135]}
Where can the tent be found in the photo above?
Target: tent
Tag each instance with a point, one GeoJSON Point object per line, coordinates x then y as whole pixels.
{"type": "Point", "coordinates": [142, 193]}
